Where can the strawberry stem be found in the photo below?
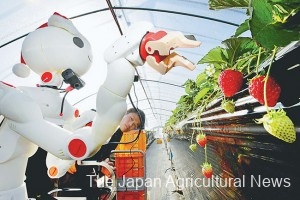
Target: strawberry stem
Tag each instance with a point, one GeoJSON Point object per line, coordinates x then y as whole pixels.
{"type": "Point", "coordinates": [198, 116]}
{"type": "Point", "coordinates": [249, 65]}
{"type": "Point", "coordinates": [200, 125]}
{"type": "Point", "coordinates": [258, 60]}
{"type": "Point", "coordinates": [205, 153]}
{"type": "Point", "coordinates": [267, 77]}
{"type": "Point", "coordinates": [192, 136]}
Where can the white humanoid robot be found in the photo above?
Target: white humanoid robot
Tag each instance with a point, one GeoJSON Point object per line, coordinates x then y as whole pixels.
{"type": "Point", "coordinates": [58, 52]}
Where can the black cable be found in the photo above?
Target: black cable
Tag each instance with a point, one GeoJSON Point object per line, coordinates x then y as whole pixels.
{"type": "Point", "coordinates": [62, 104]}
{"type": "Point", "coordinates": [2, 121]}
{"type": "Point", "coordinates": [133, 162]}
{"type": "Point", "coordinates": [145, 93]}
{"type": "Point", "coordinates": [52, 87]}
{"type": "Point", "coordinates": [114, 15]}
{"type": "Point", "coordinates": [61, 90]}
{"type": "Point", "coordinates": [140, 129]}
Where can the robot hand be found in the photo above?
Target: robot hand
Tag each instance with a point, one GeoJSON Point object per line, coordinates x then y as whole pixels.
{"type": "Point", "coordinates": [155, 49]}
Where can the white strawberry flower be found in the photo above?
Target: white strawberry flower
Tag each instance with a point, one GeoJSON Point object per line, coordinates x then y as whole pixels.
{"type": "Point", "coordinates": [210, 70]}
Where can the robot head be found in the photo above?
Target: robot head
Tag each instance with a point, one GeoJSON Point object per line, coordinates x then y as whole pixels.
{"type": "Point", "coordinates": [53, 48]}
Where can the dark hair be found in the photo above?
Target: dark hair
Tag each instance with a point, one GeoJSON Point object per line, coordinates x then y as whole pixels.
{"type": "Point", "coordinates": [140, 113]}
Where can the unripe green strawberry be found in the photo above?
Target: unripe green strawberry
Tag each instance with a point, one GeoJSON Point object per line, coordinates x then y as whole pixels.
{"type": "Point", "coordinates": [278, 124]}
{"type": "Point", "coordinates": [193, 147]}
{"type": "Point", "coordinates": [256, 89]}
{"type": "Point", "coordinates": [230, 82]}
{"type": "Point", "coordinates": [228, 106]}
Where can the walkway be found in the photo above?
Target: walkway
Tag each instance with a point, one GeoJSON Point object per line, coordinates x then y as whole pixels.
{"type": "Point", "coordinates": [166, 177]}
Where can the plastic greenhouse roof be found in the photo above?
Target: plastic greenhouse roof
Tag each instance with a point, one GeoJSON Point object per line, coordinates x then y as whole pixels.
{"type": "Point", "coordinates": [156, 94]}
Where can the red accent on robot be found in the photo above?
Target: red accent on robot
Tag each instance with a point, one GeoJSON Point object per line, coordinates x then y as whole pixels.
{"type": "Point", "coordinates": [151, 37]}
{"type": "Point", "coordinates": [46, 77]}
{"type": "Point", "coordinates": [77, 148]}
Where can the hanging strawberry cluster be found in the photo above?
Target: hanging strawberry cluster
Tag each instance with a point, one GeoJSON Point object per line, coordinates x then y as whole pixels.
{"type": "Point", "coordinates": [201, 140]}
{"type": "Point", "coordinates": [267, 92]}
{"type": "Point", "coordinates": [240, 59]}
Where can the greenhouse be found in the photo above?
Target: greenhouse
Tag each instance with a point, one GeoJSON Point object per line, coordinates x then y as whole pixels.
{"type": "Point", "coordinates": [149, 99]}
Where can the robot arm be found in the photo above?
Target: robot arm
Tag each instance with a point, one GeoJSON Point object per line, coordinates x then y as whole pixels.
{"type": "Point", "coordinates": [24, 116]}
{"type": "Point", "coordinates": [134, 48]}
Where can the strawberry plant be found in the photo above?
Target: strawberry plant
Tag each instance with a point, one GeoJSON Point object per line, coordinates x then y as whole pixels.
{"type": "Point", "coordinates": [230, 82]}
{"type": "Point", "coordinates": [271, 23]}
{"type": "Point", "coordinates": [277, 123]}
{"type": "Point", "coordinates": [239, 54]}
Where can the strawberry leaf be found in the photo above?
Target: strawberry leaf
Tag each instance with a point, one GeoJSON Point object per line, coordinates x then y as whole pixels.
{"type": "Point", "coordinates": [237, 47]}
{"type": "Point", "coordinates": [242, 28]}
{"type": "Point", "coordinates": [190, 86]}
{"type": "Point", "coordinates": [214, 56]}
{"type": "Point", "coordinates": [201, 78]}
{"type": "Point", "coordinates": [221, 4]}
{"type": "Point", "coordinates": [201, 94]}
{"type": "Point", "coordinates": [234, 48]}
{"type": "Point", "coordinates": [265, 30]}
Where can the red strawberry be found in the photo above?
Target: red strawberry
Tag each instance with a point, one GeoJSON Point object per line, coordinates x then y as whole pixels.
{"type": "Point", "coordinates": [207, 170]}
{"type": "Point", "coordinates": [230, 82]}
{"type": "Point", "coordinates": [256, 89]}
{"type": "Point", "coordinates": [201, 139]}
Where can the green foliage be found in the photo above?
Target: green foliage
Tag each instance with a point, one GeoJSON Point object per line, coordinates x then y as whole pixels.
{"type": "Point", "coordinates": [221, 4]}
{"type": "Point", "coordinates": [271, 23]}
{"type": "Point", "coordinates": [214, 56]}
{"type": "Point", "coordinates": [242, 28]}
{"type": "Point", "coordinates": [237, 53]}
{"type": "Point", "coordinates": [236, 48]}
{"type": "Point", "coordinates": [201, 94]}
{"type": "Point", "coordinates": [267, 24]}
{"type": "Point", "coordinates": [268, 20]}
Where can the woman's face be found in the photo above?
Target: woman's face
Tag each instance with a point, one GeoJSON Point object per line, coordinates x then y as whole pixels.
{"type": "Point", "coordinates": [130, 121]}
